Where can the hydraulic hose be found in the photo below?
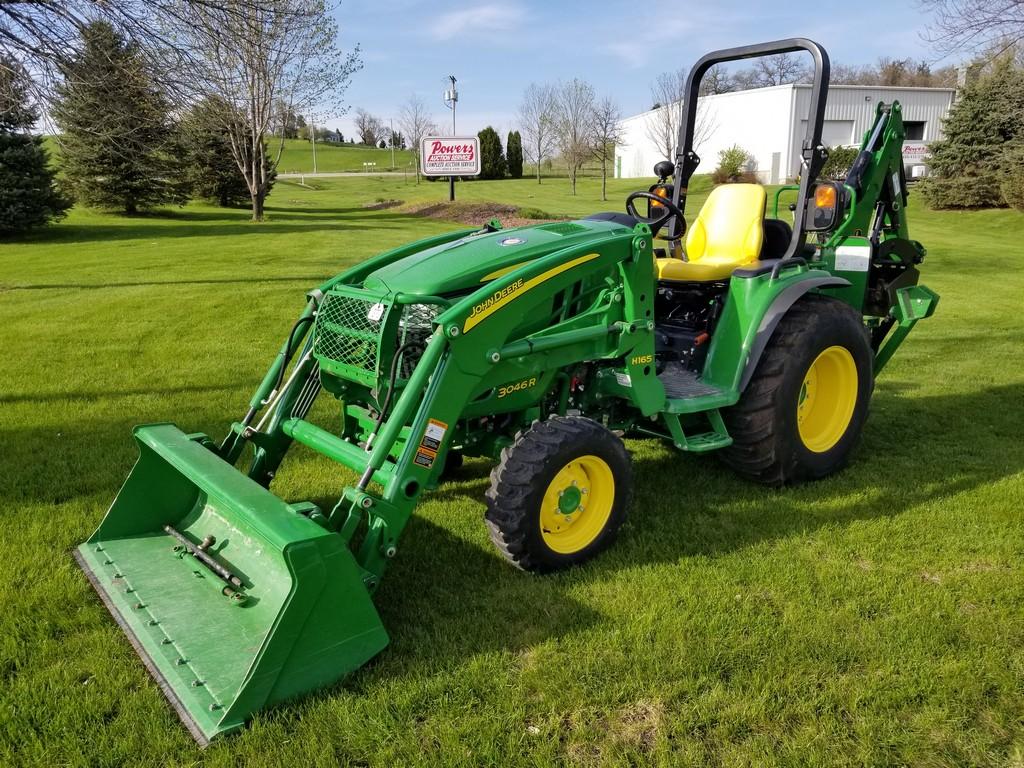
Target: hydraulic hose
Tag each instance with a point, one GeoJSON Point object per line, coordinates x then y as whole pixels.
{"type": "Point", "coordinates": [289, 350]}
{"type": "Point", "coordinates": [392, 377]}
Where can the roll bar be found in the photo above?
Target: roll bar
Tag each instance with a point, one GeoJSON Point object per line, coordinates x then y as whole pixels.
{"type": "Point", "coordinates": [812, 152]}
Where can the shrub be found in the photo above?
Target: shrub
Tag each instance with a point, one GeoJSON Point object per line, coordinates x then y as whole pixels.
{"type": "Point", "coordinates": [978, 190]}
{"type": "Point", "coordinates": [733, 166]}
{"type": "Point", "coordinates": [1013, 188]}
{"type": "Point", "coordinates": [514, 154]}
{"type": "Point", "coordinates": [492, 159]}
{"type": "Point", "coordinates": [839, 161]}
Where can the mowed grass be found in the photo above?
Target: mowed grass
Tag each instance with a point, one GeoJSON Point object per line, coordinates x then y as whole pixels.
{"type": "Point", "coordinates": [297, 157]}
{"type": "Point", "coordinates": [874, 618]}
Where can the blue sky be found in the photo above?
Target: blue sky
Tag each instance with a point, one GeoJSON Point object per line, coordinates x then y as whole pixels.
{"type": "Point", "coordinates": [496, 49]}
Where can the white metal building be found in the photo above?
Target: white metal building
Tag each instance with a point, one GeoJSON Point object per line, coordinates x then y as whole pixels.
{"type": "Point", "coordinates": [769, 123]}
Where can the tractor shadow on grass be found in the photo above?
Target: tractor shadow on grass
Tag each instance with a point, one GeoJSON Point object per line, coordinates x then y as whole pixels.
{"type": "Point", "coordinates": [915, 450]}
{"type": "Point", "coordinates": [448, 599]}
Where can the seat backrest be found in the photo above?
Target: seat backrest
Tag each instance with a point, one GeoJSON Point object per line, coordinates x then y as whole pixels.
{"type": "Point", "coordinates": [729, 225]}
{"type": "Point", "coordinates": [777, 234]}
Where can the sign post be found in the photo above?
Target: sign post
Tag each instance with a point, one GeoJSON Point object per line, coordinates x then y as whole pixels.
{"type": "Point", "coordinates": [447, 156]}
{"type": "Point", "coordinates": [451, 99]}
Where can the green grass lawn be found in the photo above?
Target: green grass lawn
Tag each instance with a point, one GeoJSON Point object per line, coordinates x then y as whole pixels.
{"type": "Point", "coordinates": [297, 157]}
{"type": "Point", "coordinates": [874, 618]}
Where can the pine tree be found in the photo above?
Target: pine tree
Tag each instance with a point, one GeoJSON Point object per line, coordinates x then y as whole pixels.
{"type": "Point", "coordinates": [211, 168]}
{"type": "Point", "coordinates": [514, 154]}
{"type": "Point", "coordinates": [492, 159]}
{"type": "Point", "coordinates": [118, 149]}
{"type": "Point", "coordinates": [984, 129]}
{"type": "Point", "coordinates": [28, 197]}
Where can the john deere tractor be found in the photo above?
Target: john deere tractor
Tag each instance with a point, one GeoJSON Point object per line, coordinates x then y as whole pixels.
{"type": "Point", "coordinates": [539, 348]}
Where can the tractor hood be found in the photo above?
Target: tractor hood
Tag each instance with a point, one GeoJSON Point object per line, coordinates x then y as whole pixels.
{"type": "Point", "coordinates": [465, 263]}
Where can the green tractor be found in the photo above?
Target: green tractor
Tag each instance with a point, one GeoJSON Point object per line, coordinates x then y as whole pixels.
{"type": "Point", "coordinates": [539, 347]}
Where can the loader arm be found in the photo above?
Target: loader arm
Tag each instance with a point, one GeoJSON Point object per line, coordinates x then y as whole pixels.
{"type": "Point", "coordinates": [476, 346]}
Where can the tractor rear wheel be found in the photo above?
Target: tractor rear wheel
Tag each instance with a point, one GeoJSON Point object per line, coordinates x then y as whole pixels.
{"type": "Point", "coordinates": [805, 406]}
{"type": "Point", "coordinates": [559, 494]}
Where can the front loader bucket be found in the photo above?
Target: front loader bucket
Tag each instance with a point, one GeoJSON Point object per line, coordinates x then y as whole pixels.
{"type": "Point", "coordinates": [233, 599]}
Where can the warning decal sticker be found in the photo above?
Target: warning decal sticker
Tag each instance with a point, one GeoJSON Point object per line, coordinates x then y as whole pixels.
{"type": "Point", "coordinates": [433, 436]}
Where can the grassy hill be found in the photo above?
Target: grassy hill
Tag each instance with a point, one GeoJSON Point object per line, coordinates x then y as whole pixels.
{"type": "Point", "coordinates": [297, 157]}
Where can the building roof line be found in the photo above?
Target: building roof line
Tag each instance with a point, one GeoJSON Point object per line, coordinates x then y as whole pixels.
{"type": "Point", "coordinates": [791, 86]}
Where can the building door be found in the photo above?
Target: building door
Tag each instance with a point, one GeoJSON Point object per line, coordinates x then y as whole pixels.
{"type": "Point", "coordinates": [834, 133]}
{"type": "Point", "coordinates": [776, 163]}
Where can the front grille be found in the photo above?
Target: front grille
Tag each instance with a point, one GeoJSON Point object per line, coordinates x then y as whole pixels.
{"type": "Point", "coordinates": [346, 334]}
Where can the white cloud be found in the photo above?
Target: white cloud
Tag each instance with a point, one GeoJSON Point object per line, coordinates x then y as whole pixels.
{"type": "Point", "coordinates": [475, 20]}
{"type": "Point", "coordinates": [636, 51]}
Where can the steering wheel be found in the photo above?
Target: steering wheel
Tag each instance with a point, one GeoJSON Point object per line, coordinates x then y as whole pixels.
{"type": "Point", "coordinates": [657, 222]}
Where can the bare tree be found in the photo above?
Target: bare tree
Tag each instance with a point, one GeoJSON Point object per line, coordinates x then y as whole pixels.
{"type": "Point", "coordinates": [369, 128]}
{"type": "Point", "coordinates": [416, 122]}
{"type": "Point", "coordinates": [537, 121]}
{"type": "Point", "coordinates": [574, 110]}
{"type": "Point", "coordinates": [283, 50]}
{"type": "Point", "coordinates": [902, 72]}
{"type": "Point", "coordinates": [607, 133]}
{"type": "Point", "coordinates": [716, 80]}
{"type": "Point", "coordinates": [45, 35]}
{"type": "Point", "coordinates": [780, 69]}
{"type": "Point", "coordinates": [975, 26]}
{"type": "Point", "coordinates": [668, 93]}
{"type": "Point", "coordinates": [851, 74]}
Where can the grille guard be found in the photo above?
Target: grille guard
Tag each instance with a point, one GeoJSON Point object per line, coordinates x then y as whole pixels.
{"type": "Point", "coordinates": [357, 333]}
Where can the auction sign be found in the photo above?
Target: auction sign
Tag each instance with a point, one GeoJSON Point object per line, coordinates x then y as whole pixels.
{"type": "Point", "coordinates": [450, 156]}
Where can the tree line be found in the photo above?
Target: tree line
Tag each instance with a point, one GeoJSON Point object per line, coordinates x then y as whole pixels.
{"type": "Point", "coordinates": [787, 68]}
{"type": "Point", "coordinates": [148, 115]}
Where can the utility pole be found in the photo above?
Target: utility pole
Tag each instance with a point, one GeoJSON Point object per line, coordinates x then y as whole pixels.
{"type": "Point", "coordinates": [312, 133]}
{"type": "Point", "coordinates": [451, 98]}
{"type": "Point", "coordinates": [392, 121]}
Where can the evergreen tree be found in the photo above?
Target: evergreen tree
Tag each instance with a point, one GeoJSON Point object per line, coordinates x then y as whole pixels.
{"type": "Point", "coordinates": [983, 132]}
{"type": "Point", "coordinates": [514, 154]}
{"type": "Point", "coordinates": [28, 197]}
{"type": "Point", "coordinates": [118, 149]}
{"type": "Point", "coordinates": [211, 168]}
{"type": "Point", "coordinates": [492, 159]}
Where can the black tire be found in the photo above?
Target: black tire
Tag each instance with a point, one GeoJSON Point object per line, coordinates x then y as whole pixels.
{"type": "Point", "coordinates": [564, 448]}
{"type": "Point", "coordinates": [764, 424]}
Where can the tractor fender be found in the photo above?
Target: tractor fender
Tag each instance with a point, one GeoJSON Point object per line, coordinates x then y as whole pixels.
{"type": "Point", "coordinates": [778, 308]}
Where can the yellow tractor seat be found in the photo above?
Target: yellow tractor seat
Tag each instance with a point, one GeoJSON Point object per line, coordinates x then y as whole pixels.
{"type": "Point", "coordinates": [726, 235]}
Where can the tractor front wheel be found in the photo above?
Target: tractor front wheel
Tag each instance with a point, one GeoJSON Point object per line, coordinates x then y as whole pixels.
{"type": "Point", "coordinates": [805, 406]}
{"type": "Point", "coordinates": [559, 494]}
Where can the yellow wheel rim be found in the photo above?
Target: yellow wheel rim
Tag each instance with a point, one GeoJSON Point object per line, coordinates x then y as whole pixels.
{"type": "Point", "coordinates": [577, 504]}
{"type": "Point", "coordinates": [827, 399]}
